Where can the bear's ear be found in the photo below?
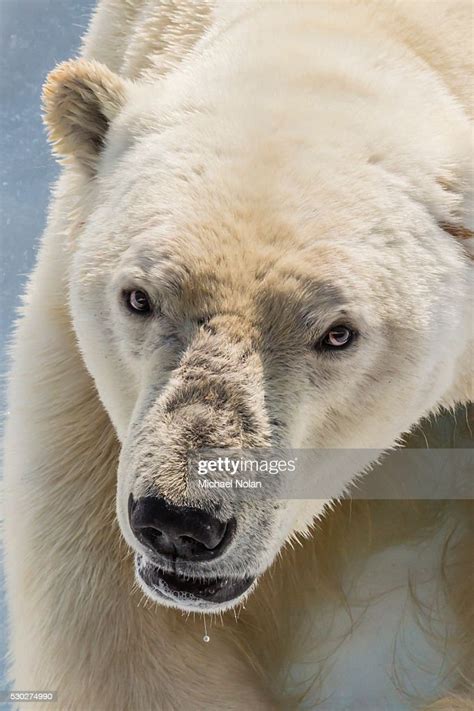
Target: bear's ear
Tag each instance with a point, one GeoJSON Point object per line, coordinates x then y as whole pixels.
{"type": "Point", "coordinates": [80, 99]}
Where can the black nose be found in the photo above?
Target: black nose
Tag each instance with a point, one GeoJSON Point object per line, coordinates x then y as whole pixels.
{"type": "Point", "coordinates": [179, 531]}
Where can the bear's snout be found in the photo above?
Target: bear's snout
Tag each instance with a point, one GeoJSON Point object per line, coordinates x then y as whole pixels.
{"type": "Point", "coordinates": [183, 532]}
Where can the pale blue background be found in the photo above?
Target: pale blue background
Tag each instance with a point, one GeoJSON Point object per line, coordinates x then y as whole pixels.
{"type": "Point", "coordinates": [35, 35]}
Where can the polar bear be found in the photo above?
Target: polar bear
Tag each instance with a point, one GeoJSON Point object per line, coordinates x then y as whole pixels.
{"type": "Point", "coordinates": [261, 238]}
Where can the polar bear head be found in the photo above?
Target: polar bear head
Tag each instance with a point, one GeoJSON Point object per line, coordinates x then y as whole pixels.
{"type": "Point", "coordinates": [237, 281]}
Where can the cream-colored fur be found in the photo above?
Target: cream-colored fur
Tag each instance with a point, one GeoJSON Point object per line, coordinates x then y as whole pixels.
{"type": "Point", "coordinates": [271, 168]}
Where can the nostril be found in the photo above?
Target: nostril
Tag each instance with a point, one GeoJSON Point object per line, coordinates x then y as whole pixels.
{"type": "Point", "coordinates": [209, 545]}
{"type": "Point", "coordinates": [150, 533]}
{"type": "Point", "coordinates": [152, 538]}
{"type": "Point", "coordinates": [179, 531]}
{"type": "Point", "coordinates": [187, 539]}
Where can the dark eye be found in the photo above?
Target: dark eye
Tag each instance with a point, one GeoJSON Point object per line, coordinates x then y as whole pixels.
{"type": "Point", "coordinates": [338, 337]}
{"type": "Point", "coordinates": [138, 302]}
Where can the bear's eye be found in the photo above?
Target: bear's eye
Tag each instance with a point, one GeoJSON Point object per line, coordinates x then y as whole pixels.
{"type": "Point", "coordinates": [138, 302]}
{"type": "Point", "coordinates": [336, 338]}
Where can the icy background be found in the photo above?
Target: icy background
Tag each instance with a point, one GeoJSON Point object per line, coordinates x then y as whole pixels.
{"type": "Point", "coordinates": [35, 35]}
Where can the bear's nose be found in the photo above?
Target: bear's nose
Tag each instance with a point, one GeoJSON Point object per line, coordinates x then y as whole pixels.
{"type": "Point", "coordinates": [179, 531]}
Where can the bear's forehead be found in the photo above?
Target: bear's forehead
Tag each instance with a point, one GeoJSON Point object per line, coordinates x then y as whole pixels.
{"type": "Point", "coordinates": [259, 280]}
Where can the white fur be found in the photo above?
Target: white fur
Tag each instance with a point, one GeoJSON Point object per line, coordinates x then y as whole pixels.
{"type": "Point", "coordinates": [321, 143]}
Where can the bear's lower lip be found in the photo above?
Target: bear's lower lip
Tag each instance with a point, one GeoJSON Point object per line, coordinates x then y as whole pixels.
{"type": "Point", "coordinates": [213, 590]}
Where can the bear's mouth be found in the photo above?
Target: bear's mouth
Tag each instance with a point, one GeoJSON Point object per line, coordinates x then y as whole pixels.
{"type": "Point", "coordinates": [183, 590]}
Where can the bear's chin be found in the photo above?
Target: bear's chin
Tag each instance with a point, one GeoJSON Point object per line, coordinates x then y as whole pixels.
{"type": "Point", "coordinates": [203, 594]}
